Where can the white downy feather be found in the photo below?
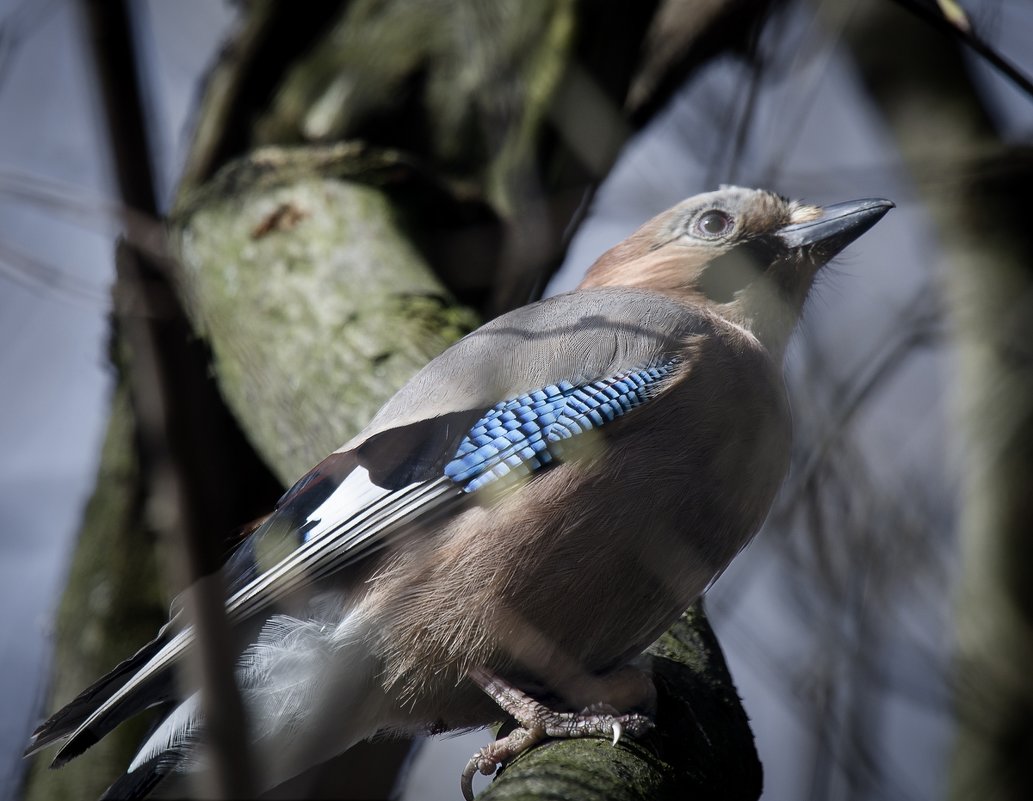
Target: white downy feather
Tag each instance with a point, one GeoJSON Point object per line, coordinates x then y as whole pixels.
{"type": "Point", "coordinates": [310, 692]}
{"type": "Point", "coordinates": [310, 689]}
{"type": "Point", "coordinates": [176, 737]}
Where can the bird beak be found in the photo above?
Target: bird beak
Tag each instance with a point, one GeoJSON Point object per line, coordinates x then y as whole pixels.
{"type": "Point", "coordinates": [838, 226]}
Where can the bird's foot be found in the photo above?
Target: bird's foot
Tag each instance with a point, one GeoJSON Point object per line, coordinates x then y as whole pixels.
{"type": "Point", "coordinates": [538, 722]}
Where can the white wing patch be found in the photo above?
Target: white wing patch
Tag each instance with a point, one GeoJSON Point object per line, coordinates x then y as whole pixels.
{"type": "Point", "coordinates": [352, 495]}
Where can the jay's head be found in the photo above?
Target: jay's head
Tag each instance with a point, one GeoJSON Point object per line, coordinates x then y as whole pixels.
{"type": "Point", "coordinates": [749, 254]}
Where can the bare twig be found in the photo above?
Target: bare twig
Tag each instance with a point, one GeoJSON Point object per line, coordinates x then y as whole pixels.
{"type": "Point", "coordinates": [167, 412]}
{"type": "Point", "coordinates": [969, 37]}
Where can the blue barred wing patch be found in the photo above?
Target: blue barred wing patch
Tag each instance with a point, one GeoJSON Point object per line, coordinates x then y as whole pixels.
{"type": "Point", "coordinates": [521, 435]}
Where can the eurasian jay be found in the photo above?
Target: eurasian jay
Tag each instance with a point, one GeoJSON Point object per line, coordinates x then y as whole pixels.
{"type": "Point", "coordinates": [527, 514]}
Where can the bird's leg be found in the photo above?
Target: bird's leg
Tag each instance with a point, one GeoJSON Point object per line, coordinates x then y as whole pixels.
{"type": "Point", "coordinates": [538, 722]}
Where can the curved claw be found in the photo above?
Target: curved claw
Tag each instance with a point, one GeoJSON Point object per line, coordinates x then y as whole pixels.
{"type": "Point", "coordinates": [537, 722]}
{"type": "Point", "coordinates": [481, 762]}
{"type": "Point", "coordinates": [466, 780]}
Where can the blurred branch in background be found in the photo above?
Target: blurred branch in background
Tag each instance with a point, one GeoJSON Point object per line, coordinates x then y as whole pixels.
{"type": "Point", "coordinates": [989, 288]}
{"type": "Point", "coordinates": [951, 18]}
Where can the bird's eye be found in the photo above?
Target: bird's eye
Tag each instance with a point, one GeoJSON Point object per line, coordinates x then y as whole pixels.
{"type": "Point", "coordinates": [713, 223]}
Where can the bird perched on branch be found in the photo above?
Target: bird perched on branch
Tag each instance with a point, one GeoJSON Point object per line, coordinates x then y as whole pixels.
{"type": "Point", "coordinates": [522, 519]}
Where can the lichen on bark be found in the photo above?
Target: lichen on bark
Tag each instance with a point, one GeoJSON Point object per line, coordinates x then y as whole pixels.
{"type": "Point", "coordinates": [316, 306]}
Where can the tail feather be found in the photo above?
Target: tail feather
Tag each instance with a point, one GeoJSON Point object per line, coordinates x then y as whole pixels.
{"type": "Point", "coordinates": [154, 682]}
{"type": "Point", "coordinates": [72, 715]}
{"type": "Point", "coordinates": [137, 784]}
{"type": "Point", "coordinates": [157, 690]}
{"type": "Point", "coordinates": [311, 691]}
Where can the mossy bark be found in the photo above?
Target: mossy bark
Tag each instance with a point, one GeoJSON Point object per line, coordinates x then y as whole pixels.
{"type": "Point", "coordinates": [314, 301]}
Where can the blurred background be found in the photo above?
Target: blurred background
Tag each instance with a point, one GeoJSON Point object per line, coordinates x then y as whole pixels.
{"type": "Point", "coordinates": [879, 628]}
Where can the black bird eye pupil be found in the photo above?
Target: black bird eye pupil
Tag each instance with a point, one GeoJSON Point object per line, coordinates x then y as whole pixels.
{"type": "Point", "coordinates": [714, 223]}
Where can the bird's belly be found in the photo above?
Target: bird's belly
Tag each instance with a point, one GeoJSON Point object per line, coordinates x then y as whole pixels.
{"type": "Point", "coordinates": [581, 569]}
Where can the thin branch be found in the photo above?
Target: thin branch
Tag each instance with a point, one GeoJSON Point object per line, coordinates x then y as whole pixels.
{"type": "Point", "coordinates": [969, 37]}
{"type": "Point", "coordinates": [169, 415]}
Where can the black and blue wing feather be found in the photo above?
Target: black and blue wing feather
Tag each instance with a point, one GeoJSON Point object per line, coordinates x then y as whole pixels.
{"type": "Point", "coordinates": [523, 434]}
